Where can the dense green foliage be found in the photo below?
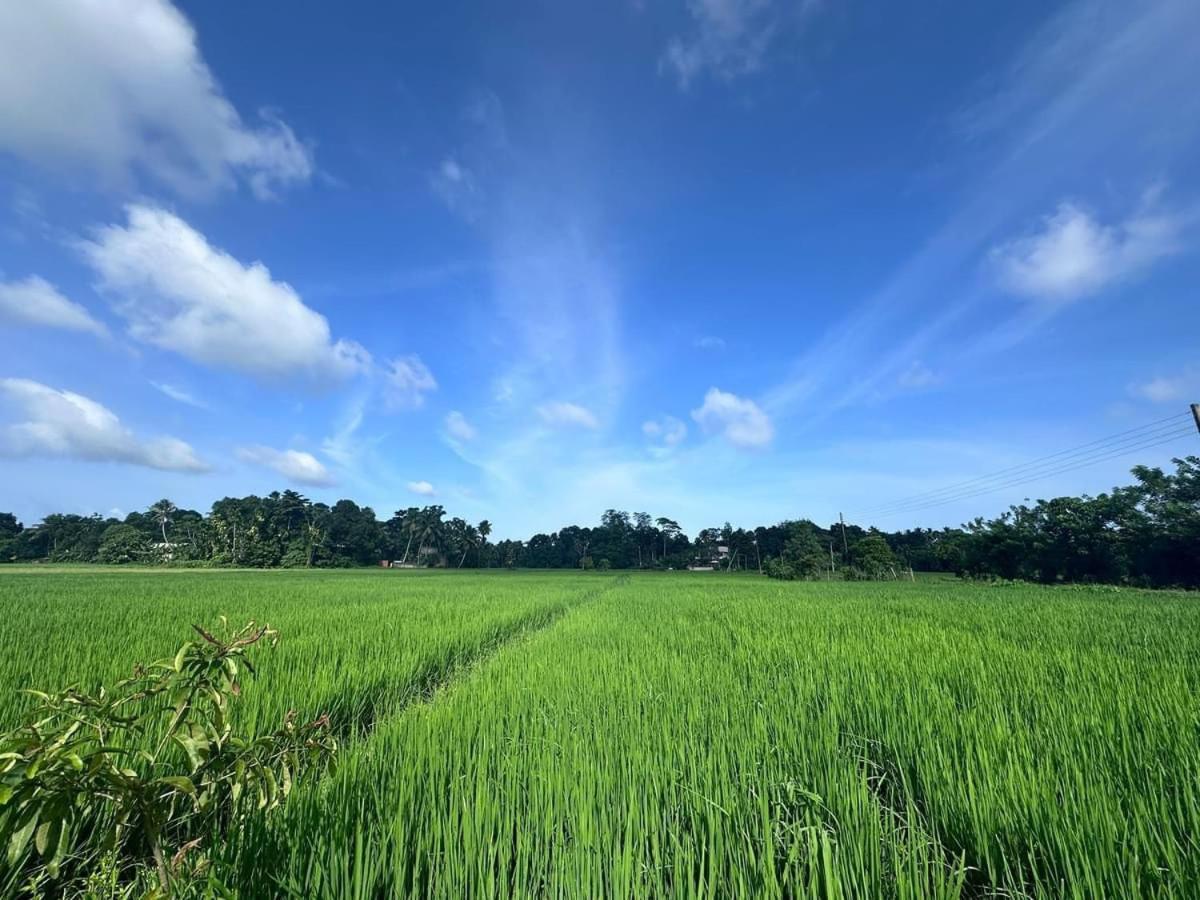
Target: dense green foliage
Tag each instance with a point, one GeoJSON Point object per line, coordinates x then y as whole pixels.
{"type": "Point", "coordinates": [678, 735]}
{"type": "Point", "coordinates": [140, 780]}
{"type": "Point", "coordinates": [1147, 533]}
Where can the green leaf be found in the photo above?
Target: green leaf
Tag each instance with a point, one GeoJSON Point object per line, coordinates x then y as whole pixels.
{"type": "Point", "coordinates": [272, 788]}
{"type": "Point", "coordinates": [5, 794]}
{"type": "Point", "coordinates": [48, 836]}
{"type": "Point", "coordinates": [179, 657]}
{"type": "Point", "coordinates": [180, 783]}
{"type": "Point", "coordinates": [20, 837]}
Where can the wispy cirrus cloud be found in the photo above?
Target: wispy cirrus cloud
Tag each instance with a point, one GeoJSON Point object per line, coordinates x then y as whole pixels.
{"type": "Point", "coordinates": [406, 382]}
{"type": "Point", "coordinates": [669, 431]}
{"type": "Point", "coordinates": [1179, 387]}
{"type": "Point", "coordinates": [1082, 95]}
{"type": "Point", "coordinates": [459, 428]}
{"type": "Point", "coordinates": [458, 188]}
{"type": "Point", "coordinates": [709, 342]}
{"type": "Point", "coordinates": [918, 376]}
{"type": "Point", "coordinates": [562, 413]}
{"type": "Point", "coordinates": [731, 38]}
{"type": "Point", "coordinates": [179, 395]}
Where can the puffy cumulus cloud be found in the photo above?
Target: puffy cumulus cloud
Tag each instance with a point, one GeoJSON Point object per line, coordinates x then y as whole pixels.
{"type": "Point", "coordinates": [35, 301]}
{"type": "Point", "coordinates": [562, 413]}
{"type": "Point", "coordinates": [1071, 255]}
{"type": "Point", "coordinates": [459, 428]}
{"type": "Point", "coordinates": [423, 488]}
{"type": "Point", "coordinates": [178, 292]}
{"type": "Point", "coordinates": [668, 430]}
{"type": "Point", "coordinates": [65, 424]}
{"type": "Point", "coordinates": [740, 421]}
{"type": "Point", "coordinates": [407, 381]}
{"type": "Point", "coordinates": [119, 86]}
{"type": "Point", "coordinates": [294, 465]}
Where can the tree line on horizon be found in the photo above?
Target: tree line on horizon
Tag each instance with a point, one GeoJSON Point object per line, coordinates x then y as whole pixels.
{"type": "Point", "coordinates": [1146, 533]}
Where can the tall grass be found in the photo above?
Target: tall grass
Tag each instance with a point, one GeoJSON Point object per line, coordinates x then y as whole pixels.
{"type": "Point", "coordinates": [683, 736]}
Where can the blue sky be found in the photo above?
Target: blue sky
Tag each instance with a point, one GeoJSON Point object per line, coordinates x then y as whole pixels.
{"type": "Point", "coordinates": [734, 260]}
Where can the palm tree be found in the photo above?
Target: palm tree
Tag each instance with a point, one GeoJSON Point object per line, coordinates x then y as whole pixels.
{"type": "Point", "coordinates": [409, 524]}
{"type": "Point", "coordinates": [470, 538]}
{"type": "Point", "coordinates": [485, 528]}
{"type": "Point", "coordinates": [163, 511]}
{"type": "Point", "coordinates": [429, 528]}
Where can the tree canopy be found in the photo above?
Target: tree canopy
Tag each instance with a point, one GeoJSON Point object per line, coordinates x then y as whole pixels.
{"type": "Point", "coordinates": [1145, 533]}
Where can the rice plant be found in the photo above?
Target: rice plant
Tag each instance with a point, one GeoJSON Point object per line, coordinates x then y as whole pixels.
{"type": "Point", "coordinates": [575, 735]}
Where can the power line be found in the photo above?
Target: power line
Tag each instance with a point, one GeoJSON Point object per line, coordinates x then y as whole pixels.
{"type": "Point", "coordinates": [1017, 482]}
{"type": "Point", "coordinates": [1132, 435]}
{"type": "Point", "coordinates": [1129, 435]}
{"type": "Point", "coordinates": [1151, 434]}
{"type": "Point", "coordinates": [1037, 469]}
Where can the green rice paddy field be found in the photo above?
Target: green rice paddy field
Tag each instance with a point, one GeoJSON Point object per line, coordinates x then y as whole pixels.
{"type": "Point", "coordinates": [594, 735]}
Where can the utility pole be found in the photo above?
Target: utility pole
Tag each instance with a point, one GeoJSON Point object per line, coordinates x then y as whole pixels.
{"type": "Point", "coordinates": [832, 569]}
{"type": "Point", "coordinates": [845, 546]}
{"type": "Point", "coordinates": [1196, 414]}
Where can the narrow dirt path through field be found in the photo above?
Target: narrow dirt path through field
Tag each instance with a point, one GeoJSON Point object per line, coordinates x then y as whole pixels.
{"type": "Point", "coordinates": [356, 714]}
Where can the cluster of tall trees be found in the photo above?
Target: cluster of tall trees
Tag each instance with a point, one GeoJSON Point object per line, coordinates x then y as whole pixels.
{"type": "Point", "coordinates": [1144, 533]}
{"type": "Point", "coordinates": [281, 529]}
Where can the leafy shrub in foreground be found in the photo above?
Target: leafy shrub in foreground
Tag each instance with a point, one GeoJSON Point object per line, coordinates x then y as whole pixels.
{"type": "Point", "coordinates": [131, 786]}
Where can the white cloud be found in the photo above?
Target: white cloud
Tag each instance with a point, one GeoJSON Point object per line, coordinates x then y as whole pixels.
{"type": "Point", "coordinates": [710, 342]}
{"type": "Point", "coordinates": [739, 420]}
{"type": "Point", "coordinates": [1169, 389]}
{"type": "Point", "coordinates": [457, 187]}
{"type": "Point", "coordinates": [918, 376]}
{"type": "Point", "coordinates": [668, 430]}
{"type": "Point", "coordinates": [180, 293]}
{"type": "Point", "coordinates": [35, 301]}
{"type": "Point", "coordinates": [731, 38]}
{"type": "Point", "coordinates": [408, 381]}
{"type": "Point", "coordinates": [295, 465]}
{"type": "Point", "coordinates": [178, 394]}
{"type": "Point", "coordinates": [65, 424]}
{"type": "Point", "coordinates": [1071, 255]}
{"type": "Point", "coordinates": [458, 427]}
{"type": "Point", "coordinates": [345, 445]}
{"type": "Point", "coordinates": [118, 87]}
{"type": "Point", "coordinates": [561, 413]}
{"type": "Point", "coordinates": [424, 488]}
